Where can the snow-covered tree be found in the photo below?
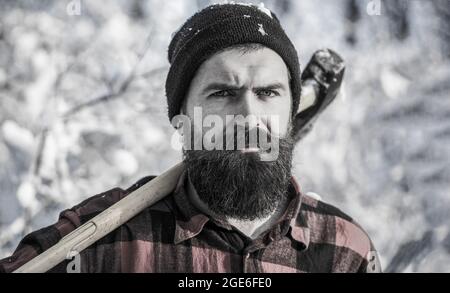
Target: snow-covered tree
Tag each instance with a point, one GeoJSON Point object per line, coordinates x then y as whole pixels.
{"type": "Point", "coordinates": [82, 109]}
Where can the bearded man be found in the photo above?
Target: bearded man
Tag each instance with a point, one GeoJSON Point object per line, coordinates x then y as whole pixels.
{"type": "Point", "coordinates": [234, 209]}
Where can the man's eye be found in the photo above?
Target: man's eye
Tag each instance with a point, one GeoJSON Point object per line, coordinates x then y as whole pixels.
{"type": "Point", "coordinates": [267, 93]}
{"type": "Point", "coordinates": [225, 93]}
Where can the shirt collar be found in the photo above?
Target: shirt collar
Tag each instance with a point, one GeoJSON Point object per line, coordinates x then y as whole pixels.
{"type": "Point", "coordinates": [190, 221]}
{"type": "Point", "coordinates": [299, 230]}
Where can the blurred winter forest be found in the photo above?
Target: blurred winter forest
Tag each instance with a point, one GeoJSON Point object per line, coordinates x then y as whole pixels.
{"type": "Point", "coordinates": [83, 109]}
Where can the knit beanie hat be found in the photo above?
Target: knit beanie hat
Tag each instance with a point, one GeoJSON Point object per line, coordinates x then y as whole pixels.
{"type": "Point", "coordinates": [216, 28]}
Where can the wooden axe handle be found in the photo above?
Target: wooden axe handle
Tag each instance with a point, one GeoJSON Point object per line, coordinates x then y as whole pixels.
{"type": "Point", "coordinates": [106, 222]}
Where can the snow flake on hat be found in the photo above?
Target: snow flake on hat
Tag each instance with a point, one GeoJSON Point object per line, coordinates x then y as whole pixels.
{"type": "Point", "coordinates": [265, 10]}
{"type": "Point", "coordinates": [261, 30]}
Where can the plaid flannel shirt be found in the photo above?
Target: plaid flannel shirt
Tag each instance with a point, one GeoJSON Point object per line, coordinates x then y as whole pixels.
{"type": "Point", "coordinates": [173, 236]}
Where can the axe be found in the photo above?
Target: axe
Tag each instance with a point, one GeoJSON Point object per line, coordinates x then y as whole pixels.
{"type": "Point", "coordinates": [321, 81]}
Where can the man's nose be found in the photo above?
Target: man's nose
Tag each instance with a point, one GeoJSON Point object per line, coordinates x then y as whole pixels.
{"type": "Point", "coordinates": [248, 104]}
{"type": "Point", "coordinates": [250, 108]}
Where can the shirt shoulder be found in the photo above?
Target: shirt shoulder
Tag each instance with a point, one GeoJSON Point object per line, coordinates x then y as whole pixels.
{"type": "Point", "coordinates": [330, 226]}
{"type": "Point", "coordinates": [40, 240]}
{"type": "Point", "coordinates": [96, 204]}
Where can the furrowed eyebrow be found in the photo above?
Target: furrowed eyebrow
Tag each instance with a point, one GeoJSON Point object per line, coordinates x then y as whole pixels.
{"type": "Point", "coordinates": [217, 86]}
{"type": "Point", "coordinates": [274, 86]}
{"type": "Point", "coordinates": [223, 86]}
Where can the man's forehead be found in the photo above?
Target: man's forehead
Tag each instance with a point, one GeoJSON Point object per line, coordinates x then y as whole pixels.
{"type": "Point", "coordinates": [235, 66]}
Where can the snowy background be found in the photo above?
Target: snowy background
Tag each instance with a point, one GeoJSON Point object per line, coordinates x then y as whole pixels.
{"type": "Point", "coordinates": [82, 110]}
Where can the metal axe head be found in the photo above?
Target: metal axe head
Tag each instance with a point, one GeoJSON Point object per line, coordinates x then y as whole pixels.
{"type": "Point", "coordinates": [321, 82]}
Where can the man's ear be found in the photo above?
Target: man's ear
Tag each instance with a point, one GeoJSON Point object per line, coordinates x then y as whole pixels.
{"type": "Point", "coordinates": [182, 112]}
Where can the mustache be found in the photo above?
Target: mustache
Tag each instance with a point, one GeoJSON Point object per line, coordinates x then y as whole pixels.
{"type": "Point", "coordinates": [245, 138]}
{"type": "Point", "coordinates": [275, 152]}
{"type": "Point", "coordinates": [236, 137]}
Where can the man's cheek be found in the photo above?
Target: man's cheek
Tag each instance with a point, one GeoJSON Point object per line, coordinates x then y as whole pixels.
{"type": "Point", "coordinates": [276, 124]}
{"type": "Point", "coordinates": [271, 154]}
{"type": "Point", "coordinates": [213, 133]}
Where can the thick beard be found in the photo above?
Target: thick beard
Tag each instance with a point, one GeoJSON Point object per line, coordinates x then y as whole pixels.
{"type": "Point", "coordinates": [239, 185]}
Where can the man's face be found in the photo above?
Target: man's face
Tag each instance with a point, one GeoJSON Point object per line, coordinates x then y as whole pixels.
{"type": "Point", "coordinates": [237, 83]}
{"type": "Point", "coordinates": [238, 183]}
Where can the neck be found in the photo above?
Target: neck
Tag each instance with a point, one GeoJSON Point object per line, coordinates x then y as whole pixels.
{"type": "Point", "coordinates": [250, 228]}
